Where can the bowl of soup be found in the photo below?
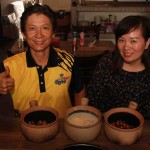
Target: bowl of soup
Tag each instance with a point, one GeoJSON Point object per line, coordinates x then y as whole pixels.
{"type": "Point", "coordinates": [82, 123]}
{"type": "Point", "coordinates": [39, 123]}
{"type": "Point", "coordinates": [123, 126]}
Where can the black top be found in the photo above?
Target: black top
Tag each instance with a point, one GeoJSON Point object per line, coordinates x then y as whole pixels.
{"type": "Point", "coordinates": [108, 90]}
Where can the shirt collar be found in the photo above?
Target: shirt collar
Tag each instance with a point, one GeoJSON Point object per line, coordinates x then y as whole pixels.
{"type": "Point", "coordinates": [52, 60]}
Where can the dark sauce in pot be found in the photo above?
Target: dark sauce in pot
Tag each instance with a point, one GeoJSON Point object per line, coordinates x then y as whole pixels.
{"type": "Point", "coordinates": [124, 120]}
{"type": "Point", "coordinates": [40, 117]}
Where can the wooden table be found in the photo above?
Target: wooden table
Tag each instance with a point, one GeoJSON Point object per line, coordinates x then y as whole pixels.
{"type": "Point", "coordinates": [11, 138]}
{"type": "Point", "coordinates": [85, 51]}
{"type": "Point", "coordinates": [82, 51]}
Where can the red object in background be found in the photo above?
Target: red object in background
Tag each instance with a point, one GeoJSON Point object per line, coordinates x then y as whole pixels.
{"type": "Point", "coordinates": [109, 27]}
{"type": "Point", "coordinates": [55, 42]}
{"type": "Point", "coordinates": [82, 34]}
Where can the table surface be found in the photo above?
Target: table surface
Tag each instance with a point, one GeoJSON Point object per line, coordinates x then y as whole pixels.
{"type": "Point", "coordinates": [11, 137]}
{"type": "Point", "coordinates": [82, 51]}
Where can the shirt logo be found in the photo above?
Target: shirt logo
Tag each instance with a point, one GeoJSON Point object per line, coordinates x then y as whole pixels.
{"type": "Point", "coordinates": [61, 79]}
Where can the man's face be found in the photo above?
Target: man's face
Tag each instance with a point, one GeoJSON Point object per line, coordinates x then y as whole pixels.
{"type": "Point", "coordinates": [38, 32]}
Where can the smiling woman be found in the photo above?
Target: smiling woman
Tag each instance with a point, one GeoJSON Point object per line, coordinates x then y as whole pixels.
{"type": "Point", "coordinates": [125, 74]}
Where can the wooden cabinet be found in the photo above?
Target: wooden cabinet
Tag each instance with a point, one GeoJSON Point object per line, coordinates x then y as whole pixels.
{"type": "Point", "coordinates": [63, 24]}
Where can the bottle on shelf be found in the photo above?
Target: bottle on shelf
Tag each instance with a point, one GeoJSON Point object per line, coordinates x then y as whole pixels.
{"type": "Point", "coordinates": [74, 41]}
{"type": "Point", "coordinates": [82, 35]}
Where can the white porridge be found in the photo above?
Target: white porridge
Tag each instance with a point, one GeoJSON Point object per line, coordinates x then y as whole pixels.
{"type": "Point", "coordinates": [82, 119]}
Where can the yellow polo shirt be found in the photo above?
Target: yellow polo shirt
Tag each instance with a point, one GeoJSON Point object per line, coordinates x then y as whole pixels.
{"type": "Point", "coordinates": [48, 85]}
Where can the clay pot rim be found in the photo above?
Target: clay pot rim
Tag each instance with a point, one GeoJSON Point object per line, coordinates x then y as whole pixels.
{"type": "Point", "coordinates": [86, 108]}
{"type": "Point", "coordinates": [124, 110]}
{"type": "Point", "coordinates": [39, 108]}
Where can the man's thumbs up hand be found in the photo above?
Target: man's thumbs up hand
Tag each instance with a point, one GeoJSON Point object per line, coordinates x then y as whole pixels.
{"type": "Point", "coordinates": [6, 82]}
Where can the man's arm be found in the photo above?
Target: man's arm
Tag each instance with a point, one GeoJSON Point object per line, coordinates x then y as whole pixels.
{"type": "Point", "coordinates": [78, 96]}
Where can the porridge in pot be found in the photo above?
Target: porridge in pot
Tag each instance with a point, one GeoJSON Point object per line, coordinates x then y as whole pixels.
{"type": "Point", "coordinates": [82, 118]}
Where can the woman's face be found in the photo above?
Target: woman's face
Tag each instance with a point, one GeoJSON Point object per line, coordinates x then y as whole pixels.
{"type": "Point", "coordinates": [38, 32]}
{"type": "Point", "coordinates": [132, 46]}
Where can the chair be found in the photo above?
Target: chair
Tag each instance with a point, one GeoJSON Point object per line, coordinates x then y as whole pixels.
{"type": "Point", "coordinates": [89, 31]}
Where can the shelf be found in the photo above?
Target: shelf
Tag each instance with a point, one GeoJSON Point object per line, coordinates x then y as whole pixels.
{"type": "Point", "coordinates": [107, 36]}
{"type": "Point", "coordinates": [96, 8]}
{"type": "Point", "coordinates": [108, 8]}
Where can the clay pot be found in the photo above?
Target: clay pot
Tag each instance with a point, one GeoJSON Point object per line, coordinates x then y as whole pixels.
{"type": "Point", "coordinates": [78, 131]}
{"type": "Point", "coordinates": [39, 123]}
{"type": "Point", "coordinates": [125, 136]}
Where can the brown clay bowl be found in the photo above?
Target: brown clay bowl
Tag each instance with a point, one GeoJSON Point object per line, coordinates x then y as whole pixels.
{"type": "Point", "coordinates": [39, 123]}
{"type": "Point", "coordinates": [123, 126]}
{"type": "Point", "coordinates": [81, 129]}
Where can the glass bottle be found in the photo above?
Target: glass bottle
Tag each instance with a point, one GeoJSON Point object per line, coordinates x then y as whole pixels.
{"type": "Point", "coordinates": [74, 41]}
{"type": "Point", "coordinates": [82, 35]}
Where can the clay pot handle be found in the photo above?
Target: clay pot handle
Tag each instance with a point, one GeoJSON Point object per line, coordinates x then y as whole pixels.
{"type": "Point", "coordinates": [133, 105]}
{"type": "Point", "coordinates": [33, 103]}
{"type": "Point", "coordinates": [84, 101]}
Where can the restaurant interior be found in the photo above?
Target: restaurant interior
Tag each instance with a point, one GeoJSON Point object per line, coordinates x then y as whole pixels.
{"type": "Point", "coordinates": [98, 19]}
